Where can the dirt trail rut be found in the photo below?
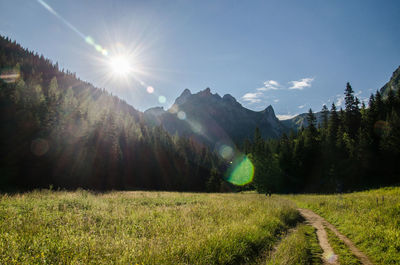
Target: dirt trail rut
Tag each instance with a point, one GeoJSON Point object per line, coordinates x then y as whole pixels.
{"type": "Point", "coordinates": [329, 256]}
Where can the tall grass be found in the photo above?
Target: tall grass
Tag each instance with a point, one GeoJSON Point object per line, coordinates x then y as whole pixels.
{"type": "Point", "coordinates": [371, 219]}
{"type": "Point", "coordinates": [341, 250]}
{"type": "Point", "coordinates": [300, 247]}
{"type": "Point", "coordinates": [47, 227]}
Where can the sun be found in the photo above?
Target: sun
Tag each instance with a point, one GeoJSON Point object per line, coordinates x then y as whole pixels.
{"type": "Point", "coordinates": [120, 66]}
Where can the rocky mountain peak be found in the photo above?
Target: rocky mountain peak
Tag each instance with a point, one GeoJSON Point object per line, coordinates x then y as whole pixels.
{"type": "Point", "coordinates": [229, 98]}
{"type": "Point", "coordinates": [205, 92]}
{"type": "Point", "coordinates": [183, 97]}
{"type": "Point", "coordinates": [186, 92]}
{"type": "Point", "coordinates": [269, 110]}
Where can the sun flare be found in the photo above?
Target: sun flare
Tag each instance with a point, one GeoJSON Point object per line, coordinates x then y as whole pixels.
{"type": "Point", "coordinates": [120, 66]}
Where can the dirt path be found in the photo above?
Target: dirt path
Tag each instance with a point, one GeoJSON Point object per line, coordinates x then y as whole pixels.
{"type": "Point", "coordinates": [315, 220]}
{"type": "Point", "coordinates": [329, 256]}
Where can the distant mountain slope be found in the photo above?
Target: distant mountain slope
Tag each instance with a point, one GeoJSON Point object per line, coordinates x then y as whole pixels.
{"type": "Point", "coordinates": [211, 118]}
{"type": "Point", "coordinates": [300, 120]}
{"type": "Point", "coordinates": [393, 84]}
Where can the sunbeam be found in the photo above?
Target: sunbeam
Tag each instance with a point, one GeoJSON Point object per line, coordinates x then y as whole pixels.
{"type": "Point", "coordinates": [118, 64]}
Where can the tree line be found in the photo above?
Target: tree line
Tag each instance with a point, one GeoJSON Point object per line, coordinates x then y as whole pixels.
{"type": "Point", "coordinates": [354, 148]}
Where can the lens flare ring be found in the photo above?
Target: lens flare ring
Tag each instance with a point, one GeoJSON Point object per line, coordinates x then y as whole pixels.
{"type": "Point", "coordinates": [241, 171]}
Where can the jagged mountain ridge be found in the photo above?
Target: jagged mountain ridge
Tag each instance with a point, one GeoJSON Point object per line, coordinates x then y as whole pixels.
{"type": "Point", "coordinates": [211, 118]}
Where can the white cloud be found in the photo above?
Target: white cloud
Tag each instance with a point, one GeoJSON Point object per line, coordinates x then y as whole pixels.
{"type": "Point", "coordinates": [301, 106]}
{"type": "Point", "coordinates": [358, 93]}
{"type": "Point", "coordinates": [285, 116]}
{"type": "Point", "coordinates": [252, 97]}
{"type": "Point", "coordinates": [339, 100]}
{"type": "Point", "coordinates": [269, 85]}
{"type": "Point", "coordinates": [276, 100]}
{"type": "Point", "coordinates": [272, 82]}
{"type": "Point", "coordinates": [301, 84]}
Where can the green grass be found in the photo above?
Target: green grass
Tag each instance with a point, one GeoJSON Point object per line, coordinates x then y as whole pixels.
{"type": "Point", "coordinates": [300, 247]}
{"type": "Point", "coordinates": [47, 227]}
{"type": "Point", "coordinates": [344, 254]}
{"type": "Point", "coordinates": [371, 219]}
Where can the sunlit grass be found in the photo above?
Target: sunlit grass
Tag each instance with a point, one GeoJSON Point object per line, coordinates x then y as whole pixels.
{"type": "Point", "coordinates": [139, 227]}
{"type": "Point", "coordinates": [297, 248]}
{"type": "Point", "coordinates": [341, 250]}
{"type": "Point", "coordinates": [370, 219]}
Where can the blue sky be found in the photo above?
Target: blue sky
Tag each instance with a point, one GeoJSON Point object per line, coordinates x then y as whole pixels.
{"type": "Point", "coordinates": [291, 54]}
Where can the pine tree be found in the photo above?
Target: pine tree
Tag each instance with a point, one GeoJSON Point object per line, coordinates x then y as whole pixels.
{"type": "Point", "coordinates": [258, 143]}
{"type": "Point", "coordinates": [352, 116]}
{"type": "Point", "coordinates": [364, 148]}
{"type": "Point", "coordinates": [214, 182]}
{"type": "Point", "coordinates": [390, 151]}
{"type": "Point", "coordinates": [311, 131]}
{"type": "Point", "coordinates": [379, 107]}
{"type": "Point", "coordinates": [20, 88]}
{"type": "Point", "coordinates": [390, 103]}
{"type": "Point", "coordinates": [391, 137]}
{"type": "Point", "coordinates": [54, 93]}
{"type": "Point", "coordinates": [397, 102]}
{"type": "Point", "coordinates": [333, 126]}
{"type": "Point", "coordinates": [325, 117]}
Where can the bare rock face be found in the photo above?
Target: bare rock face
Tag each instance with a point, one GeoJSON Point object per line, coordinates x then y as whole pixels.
{"type": "Point", "coordinates": [182, 98]}
{"type": "Point", "coordinates": [213, 119]}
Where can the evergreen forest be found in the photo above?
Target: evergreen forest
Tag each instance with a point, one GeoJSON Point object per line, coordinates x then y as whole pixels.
{"type": "Point", "coordinates": [59, 131]}
{"type": "Point", "coordinates": [350, 149]}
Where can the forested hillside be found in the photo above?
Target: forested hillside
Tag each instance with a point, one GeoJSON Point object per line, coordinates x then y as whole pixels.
{"type": "Point", "coordinates": [58, 130]}
{"type": "Point", "coordinates": [354, 148]}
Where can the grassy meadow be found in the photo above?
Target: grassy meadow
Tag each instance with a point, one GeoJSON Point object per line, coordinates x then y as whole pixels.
{"type": "Point", "coordinates": [59, 227]}
{"type": "Point", "coordinates": [371, 219]}
{"type": "Point", "coordinates": [81, 227]}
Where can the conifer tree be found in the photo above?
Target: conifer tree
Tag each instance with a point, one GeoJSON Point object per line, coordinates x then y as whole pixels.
{"type": "Point", "coordinates": [333, 126]}
{"type": "Point", "coordinates": [379, 106]}
{"type": "Point", "coordinates": [54, 93]}
{"type": "Point", "coordinates": [311, 119]}
{"type": "Point", "coordinates": [325, 117]}
{"type": "Point", "coordinates": [390, 103]}
{"type": "Point", "coordinates": [258, 142]}
{"type": "Point", "coordinates": [352, 115]}
{"type": "Point", "coordinates": [214, 182]}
